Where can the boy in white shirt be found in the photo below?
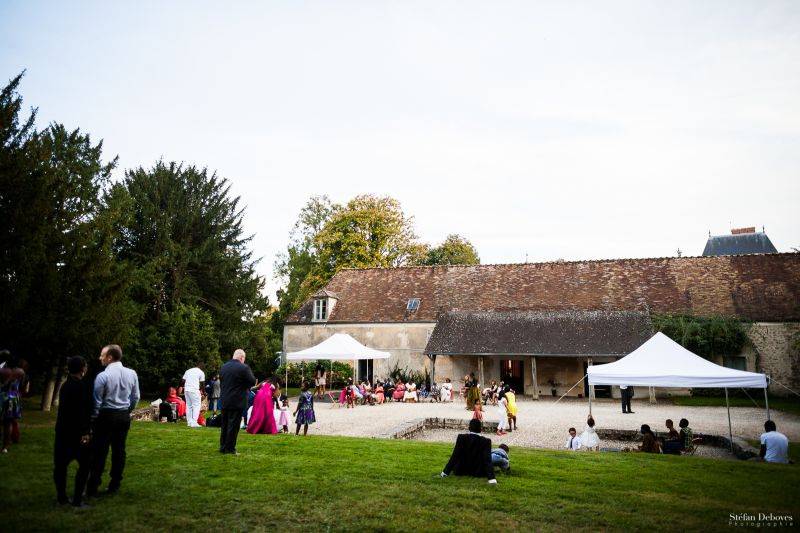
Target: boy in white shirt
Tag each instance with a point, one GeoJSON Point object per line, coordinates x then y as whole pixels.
{"type": "Point", "coordinates": [774, 445]}
{"type": "Point", "coordinates": [573, 442]}
{"type": "Point", "coordinates": [193, 380]}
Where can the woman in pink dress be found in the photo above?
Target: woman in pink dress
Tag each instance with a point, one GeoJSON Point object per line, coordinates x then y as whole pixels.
{"type": "Point", "coordinates": [263, 418]}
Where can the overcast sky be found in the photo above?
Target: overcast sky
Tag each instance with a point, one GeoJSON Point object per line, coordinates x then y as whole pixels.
{"type": "Point", "coordinates": [548, 129]}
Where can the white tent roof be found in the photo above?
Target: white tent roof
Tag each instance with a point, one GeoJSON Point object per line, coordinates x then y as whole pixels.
{"type": "Point", "coordinates": [662, 362]}
{"type": "Point", "coordinates": [338, 347]}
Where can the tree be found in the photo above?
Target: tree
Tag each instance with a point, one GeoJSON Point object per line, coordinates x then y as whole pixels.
{"type": "Point", "coordinates": [183, 232]}
{"type": "Point", "coordinates": [61, 289]}
{"type": "Point", "coordinates": [301, 257]}
{"type": "Point", "coordinates": [368, 232]}
{"type": "Point", "coordinates": [455, 250]}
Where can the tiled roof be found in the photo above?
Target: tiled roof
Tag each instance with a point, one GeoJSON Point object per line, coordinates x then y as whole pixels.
{"type": "Point", "coordinates": [539, 333]}
{"type": "Point", "coordinates": [753, 287]}
{"type": "Point", "coordinates": [739, 243]}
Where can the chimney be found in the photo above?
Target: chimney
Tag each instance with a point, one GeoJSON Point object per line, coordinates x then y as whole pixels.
{"type": "Point", "coordinates": [739, 231]}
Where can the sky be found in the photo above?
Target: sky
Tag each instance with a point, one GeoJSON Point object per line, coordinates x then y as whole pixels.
{"type": "Point", "coordinates": [537, 130]}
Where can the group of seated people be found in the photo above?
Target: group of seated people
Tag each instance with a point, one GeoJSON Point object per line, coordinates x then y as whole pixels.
{"type": "Point", "coordinates": [672, 442]}
{"type": "Point", "coordinates": [388, 390]}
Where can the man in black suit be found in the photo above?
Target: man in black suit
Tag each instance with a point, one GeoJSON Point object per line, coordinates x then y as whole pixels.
{"type": "Point", "coordinates": [73, 425]}
{"type": "Point", "coordinates": [626, 393]}
{"type": "Point", "coordinates": [236, 378]}
{"type": "Point", "coordinates": [472, 455]}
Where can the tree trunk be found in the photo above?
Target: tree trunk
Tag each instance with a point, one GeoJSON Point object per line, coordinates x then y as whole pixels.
{"type": "Point", "coordinates": [49, 388]}
{"type": "Point", "coordinates": [60, 379]}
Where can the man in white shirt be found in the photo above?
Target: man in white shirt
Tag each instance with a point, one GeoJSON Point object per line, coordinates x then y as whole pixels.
{"type": "Point", "coordinates": [193, 380]}
{"type": "Point", "coordinates": [774, 445]}
{"type": "Point", "coordinates": [573, 442]}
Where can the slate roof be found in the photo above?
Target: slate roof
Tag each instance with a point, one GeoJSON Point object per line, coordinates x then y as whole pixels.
{"type": "Point", "coordinates": [557, 333]}
{"type": "Point", "coordinates": [753, 287]}
{"type": "Point", "coordinates": [742, 243]}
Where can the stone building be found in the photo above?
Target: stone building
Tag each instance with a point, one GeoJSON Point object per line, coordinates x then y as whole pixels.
{"type": "Point", "coordinates": [538, 325]}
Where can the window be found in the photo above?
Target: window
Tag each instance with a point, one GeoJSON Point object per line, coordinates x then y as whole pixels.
{"type": "Point", "coordinates": [321, 309]}
{"type": "Point", "coordinates": [735, 362]}
{"type": "Point", "coordinates": [413, 304]}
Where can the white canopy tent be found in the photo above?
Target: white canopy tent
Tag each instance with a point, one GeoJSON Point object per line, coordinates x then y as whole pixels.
{"type": "Point", "coordinates": [337, 347]}
{"type": "Point", "coordinates": [662, 362]}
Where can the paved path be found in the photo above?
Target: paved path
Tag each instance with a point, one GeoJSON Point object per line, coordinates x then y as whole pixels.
{"type": "Point", "coordinates": [544, 424]}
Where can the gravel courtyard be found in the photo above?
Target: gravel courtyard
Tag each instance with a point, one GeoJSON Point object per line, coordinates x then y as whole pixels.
{"type": "Point", "coordinates": [544, 424]}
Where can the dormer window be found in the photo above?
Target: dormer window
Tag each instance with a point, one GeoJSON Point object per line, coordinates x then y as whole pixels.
{"type": "Point", "coordinates": [323, 305]}
{"type": "Point", "coordinates": [320, 309]}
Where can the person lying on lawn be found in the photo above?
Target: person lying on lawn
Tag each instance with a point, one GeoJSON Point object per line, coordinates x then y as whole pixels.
{"type": "Point", "coordinates": [472, 455]}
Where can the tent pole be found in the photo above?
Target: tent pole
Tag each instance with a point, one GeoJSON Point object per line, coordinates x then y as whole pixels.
{"type": "Point", "coordinates": [766, 398]}
{"type": "Point", "coordinates": [590, 396]}
{"type": "Point", "coordinates": [730, 431]}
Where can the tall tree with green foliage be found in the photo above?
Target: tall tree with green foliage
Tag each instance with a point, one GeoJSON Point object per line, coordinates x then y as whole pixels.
{"type": "Point", "coordinates": [455, 250]}
{"type": "Point", "coordinates": [295, 267]}
{"type": "Point", "coordinates": [370, 231]}
{"type": "Point", "coordinates": [62, 291]}
{"type": "Point", "coordinates": [183, 232]}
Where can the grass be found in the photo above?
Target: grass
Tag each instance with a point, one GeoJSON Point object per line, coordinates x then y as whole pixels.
{"type": "Point", "coordinates": [175, 480]}
{"type": "Point", "coordinates": [787, 405]}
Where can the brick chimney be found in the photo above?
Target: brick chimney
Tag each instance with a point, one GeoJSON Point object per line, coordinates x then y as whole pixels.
{"type": "Point", "coordinates": [739, 231]}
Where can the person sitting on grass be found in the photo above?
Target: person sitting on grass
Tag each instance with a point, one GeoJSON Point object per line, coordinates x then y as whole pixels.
{"type": "Point", "coordinates": [774, 445]}
{"type": "Point", "coordinates": [589, 438]}
{"type": "Point", "coordinates": [650, 443]}
{"type": "Point", "coordinates": [172, 397]}
{"type": "Point", "coordinates": [472, 455]}
{"type": "Point", "coordinates": [672, 442]}
{"type": "Point", "coordinates": [573, 442]}
{"type": "Point", "coordinates": [305, 411]}
{"type": "Point", "coordinates": [500, 458]}
{"type": "Point", "coordinates": [672, 433]}
{"type": "Point", "coordinates": [686, 435]}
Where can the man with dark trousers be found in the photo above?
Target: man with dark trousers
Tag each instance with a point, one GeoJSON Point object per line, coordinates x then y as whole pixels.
{"type": "Point", "coordinates": [116, 393]}
{"type": "Point", "coordinates": [626, 393]}
{"type": "Point", "coordinates": [472, 455]}
{"type": "Point", "coordinates": [73, 428]}
{"type": "Point", "coordinates": [236, 379]}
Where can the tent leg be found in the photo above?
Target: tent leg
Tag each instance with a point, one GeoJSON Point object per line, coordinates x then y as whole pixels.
{"type": "Point", "coordinates": [730, 431]}
{"type": "Point", "coordinates": [590, 398]}
{"type": "Point", "coordinates": [766, 399]}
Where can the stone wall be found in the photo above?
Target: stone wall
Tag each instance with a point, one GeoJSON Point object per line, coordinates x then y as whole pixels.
{"type": "Point", "coordinates": [772, 343]}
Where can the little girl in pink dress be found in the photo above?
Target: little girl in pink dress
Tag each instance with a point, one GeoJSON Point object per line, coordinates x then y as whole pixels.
{"type": "Point", "coordinates": [284, 418]}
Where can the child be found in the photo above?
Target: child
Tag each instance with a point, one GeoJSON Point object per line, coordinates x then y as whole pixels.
{"type": "Point", "coordinates": [284, 418]}
{"type": "Point", "coordinates": [511, 400]}
{"type": "Point", "coordinates": [304, 411]}
{"type": "Point", "coordinates": [350, 397]}
{"type": "Point", "coordinates": [477, 412]}
{"type": "Point", "coordinates": [573, 442]}
{"type": "Point", "coordinates": [589, 438]}
{"type": "Point", "coordinates": [502, 412]}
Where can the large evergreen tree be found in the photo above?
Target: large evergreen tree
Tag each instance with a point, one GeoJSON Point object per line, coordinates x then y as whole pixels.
{"type": "Point", "coordinates": [62, 292]}
{"type": "Point", "coordinates": [183, 231]}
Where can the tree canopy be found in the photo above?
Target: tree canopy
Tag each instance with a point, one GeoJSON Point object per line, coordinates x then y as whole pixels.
{"type": "Point", "coordinates": [455, 250]}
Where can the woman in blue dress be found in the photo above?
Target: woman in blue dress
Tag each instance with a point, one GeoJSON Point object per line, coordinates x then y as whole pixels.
{"type": "Point", "coordinates": [305, 411]}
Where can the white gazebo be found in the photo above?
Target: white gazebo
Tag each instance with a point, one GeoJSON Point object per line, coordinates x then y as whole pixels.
{"type": "Point", "coordinates": [337, 347]}
{"type": "Point", "coordinates": [662, 362]}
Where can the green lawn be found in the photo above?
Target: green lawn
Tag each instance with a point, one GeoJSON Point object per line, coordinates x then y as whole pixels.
{"type": "Point", "coordinates": [788, 405]}
{"type": "Point", "coordinates": [175, 480]}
